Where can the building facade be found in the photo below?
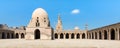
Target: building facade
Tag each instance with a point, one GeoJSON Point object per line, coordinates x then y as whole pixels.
{"type": "Point", "coordinates": [76, 33]}
{"type": "Point", "coordinates": [39, 28]}
{"type": "Point", "coordinates": [110, 32]}
{"type": "Point", "coordinates": [12, 32]}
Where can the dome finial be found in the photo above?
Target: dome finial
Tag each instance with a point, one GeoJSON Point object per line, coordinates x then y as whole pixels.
{"type": "Point", "coordinates": [59, 16]}
{"type": "Point", "coordinates": [76, 28]}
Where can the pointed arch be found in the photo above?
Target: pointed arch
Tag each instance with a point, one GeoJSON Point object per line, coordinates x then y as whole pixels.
{"type": "Point", "coordinates": [112, 32]}
{"type": "Point", "coordinates": [92, 35]}
{"type": "Point", "coordinates": [12, 35]}
{"type": "Point", "coordinates": [3, 35]}
{"type": "Point", "coordinates": [89, 35]}
{"type": "Point", "coordinates": [78, 36]}
{"type": "Point", "coordinates": [95, 35]}
{"type": "Point", "coordinates": [83, 36]}
{"type": "Point", "coordinates": [72, 36]}
{"type": "Point", "coordinates": [61, 36]}
{"type": "Point", "coordinates": [17, 35]}
{"type": "Point", "coordinates": [37, 34]}
{"type": "Point", "coordinates": [100, 35]}
{"type": "Point", "coordinates": [8, 35]}
{"type": "Point", "coordinates": [67, 36]}
{"type": "Point", "coordinates": [22, 35]}
{"type": "Point", "coordinates": [56, 36]}
{"type": "Point", "coordinates": [105, 34]}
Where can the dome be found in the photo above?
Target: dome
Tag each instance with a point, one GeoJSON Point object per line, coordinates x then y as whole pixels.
{"type": "Point", "coordinates": [76, 28]}
{"type": "Point", "coordinates": [39, 12]}
{"type": "Point", "coordinates": [39, 18]}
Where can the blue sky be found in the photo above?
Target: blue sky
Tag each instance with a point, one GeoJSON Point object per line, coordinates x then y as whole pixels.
{"type": "Point", "coordinates": [95, 13]}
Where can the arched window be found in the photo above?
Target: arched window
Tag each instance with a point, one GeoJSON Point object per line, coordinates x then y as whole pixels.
{"type": "Point", "coordinates": [37, 17]}
{"type": "Point", "coordinates": [44, 19]}
{"type": "Point", "coordinates": [37, 22]}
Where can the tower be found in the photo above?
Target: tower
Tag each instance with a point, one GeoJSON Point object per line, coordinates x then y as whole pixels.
{"type": "Point", "coordinates": [59, 24]}
{"type": "Point", "coordinates": [39, 26]}
{"type": "Point", "coordinates": [86, 27]}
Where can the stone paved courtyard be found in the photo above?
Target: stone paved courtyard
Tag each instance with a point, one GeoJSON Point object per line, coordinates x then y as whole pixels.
{"type": "Point", "coordinates": [85, 43]}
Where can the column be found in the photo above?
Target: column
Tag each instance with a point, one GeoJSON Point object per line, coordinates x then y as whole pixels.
{"type": "Point", "coordinates": [117, 34]}
{"type": "Point", "coordinates": [98, 35]}
{"type": "Point", "coordinates": [80, 36]}
{"type": "Point", "coordinates": [109, 35]}
{"type": "Point", "coordinates": [58, 36]}
{"type": "Point", "coordinates": [86, 35]}
{"type": "Point", "coordinates": [19, 35]}
{"type": "Point", "coordinates": [10, 35]}
{"type": "Point", "coordinates": [102, 35]}
{"type": "Point", "coordinates": [91, 35]}
{"type": "Point", "coordinates": [64, 36]}
{"type": "Point", "coordinates": [75, 35]}
{"type": "Point", "coordinates": [69, 36]}
{"type": "Point", "coordinates": [94, 34]}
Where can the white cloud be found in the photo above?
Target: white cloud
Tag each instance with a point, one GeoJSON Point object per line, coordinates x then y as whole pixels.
{"type": "Point", "coordinates": [75, 11]}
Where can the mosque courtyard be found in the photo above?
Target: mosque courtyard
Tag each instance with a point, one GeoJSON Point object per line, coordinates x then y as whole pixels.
{"type": "Point", "coordinates": [83, 43]}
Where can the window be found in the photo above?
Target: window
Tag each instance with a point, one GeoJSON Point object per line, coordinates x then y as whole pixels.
{"type": "Point", "coordinates": [37, 17]}
{"type": "Point", "coordinates": [37, 24]}
{"type": "Point", "coordinates": [44, 19]}
{"type": "Point", "coordinates": [37, 20]}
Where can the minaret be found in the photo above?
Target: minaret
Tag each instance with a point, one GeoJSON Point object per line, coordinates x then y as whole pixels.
{"type": "Point", "coordinates": [59, 24]}
{"type": "Point", "coordinates": [86, 27]}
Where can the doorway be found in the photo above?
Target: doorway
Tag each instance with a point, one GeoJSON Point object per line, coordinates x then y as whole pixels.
{"type": "Point", "coordinates": [37, 34]}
